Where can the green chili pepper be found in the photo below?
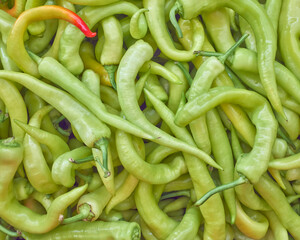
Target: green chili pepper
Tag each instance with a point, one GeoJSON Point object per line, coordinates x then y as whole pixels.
{"type": "Point", "coordinates": [91, 205]}
{"type": "Point", "coordinates": [153, 85]}
{"type": "Point", "coordinates": [54, 48]}
{"type": "Point", "coordinates": [36, 28]}
{"type": "Point", "coordinates": [182, 183]}
{"type": "Point", "coordinates": [178, 203]}
{"type": "Point", "coordinates": [279, 148]}
{"type": "Point", "coordinates": [113, 216]}
{"type": "Point", "coordinates": [285, 163]}
{"type": "Point", "coordinates": [236, 115]}
{"type": "Point", "coordinates": [35, 165]}
{"type": "Point", "coordinates": [151, 173]}
{"type": "Point", "coordinates": [273, 195]}
{"type": "Point", "coordinates": [63, 168]}
{"type": "Point", "coordinates": [13, 212]}
{"type": "Point", "coordinates": [276, 226]}
{"type": "Point", "coordinates": [15, 38]}
{"type": "Point", "coordinates": [157, 26]}
{"type": "Point", "coordinates": [44, 199]}
{"type": "Point", "coordinates": [202, 81]}
{"type": "Point", "coordinates": [260, 114]}
{"type": "Point", "coordinates": [245, 192]}
{"type": "Point", "coordinates": [108, 180]}
{"type": "Point", "coordinates": [38, 44]}
{"type": "Point", "coordinates": [131, 181]}
{"type": "Point", "coordinates": [6, 23]}
{"type": "Point", "coordinates": [33, 104]}
{"type": "Point", "coordinates": [109, 96]}
{"type": "Point", "coordinates": [112, 48]}
{"type": "Point", "coordinates": [139, 53]}
{"type": "Point", "coordinates": [15, 105]}
{"type": "Point", "coordinates": [264, 34]}
{"type": "Point", "coordinates": [189, 225]}
{"type": "Point", "coordinates": [92, 81]}
{"type": "Point", "coordinates": [56, 145]}
{"type": "Point", "coordinates": [214, 216]}
{"type": "Point", "coordinates": [6, 61]}
{"type": "Point", "coordinates": [250, 222]}
{"type": "Point", "coordinates": [91, 129]}
{"type": "Point", "coordinates": [120, 230]}
{"type": "Point", "coordinates": [52, 70]}
{"type": "Point", "coordinates": [288, 33]}
{"type": "Point", "coordinates": [159, 223]}
{"type": "Point", "coordinates": [224, 157]}
{"type": "Point", "coordinates": [71, 39]}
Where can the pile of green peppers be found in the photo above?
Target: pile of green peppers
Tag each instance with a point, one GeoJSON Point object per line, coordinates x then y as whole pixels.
{"type": "Point", "coordinates": [149, 119]}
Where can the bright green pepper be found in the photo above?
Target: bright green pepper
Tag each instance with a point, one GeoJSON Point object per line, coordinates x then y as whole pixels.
{"type": "Point", "coordinates": [12, 211]}
{"type": "Point", "coordinates": [264, 32]}
{"type": "Point", "coordinates": [120, 230]}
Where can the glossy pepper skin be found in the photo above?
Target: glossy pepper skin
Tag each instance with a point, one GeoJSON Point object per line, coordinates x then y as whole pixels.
{"type": "Point", "coordinates": [96, 230]}
{"type": "Point", "coordinates": [15, 38]}
{"type": "Point", "coordinates": [255, 163]}
{"type": "Point", "coordinates": [288, 35]}
{"type": "Point", "coordinates": [277, 200]}
{"type": "Point", "coordinates": [264, 32]}
{"type": "Point", "coordinates": [11, 210]}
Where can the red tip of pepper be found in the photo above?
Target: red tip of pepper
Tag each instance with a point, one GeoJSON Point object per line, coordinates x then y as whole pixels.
{"type": "Point", "coordinates": [78, 22]}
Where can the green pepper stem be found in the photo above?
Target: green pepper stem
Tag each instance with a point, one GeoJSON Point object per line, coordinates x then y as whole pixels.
{"type": "Point", "coordinates": [185, 72]}
{"type": "Point", "coordinates": [177, 8]}
{"type": "Point", "coordinates": [59, 119]}
{"type": "Point", "coordinates": [208, 54]}
{"type": "Point", "coordinates": [82, 160]}
{"type": "Point", "coordinates": [223, 58]}
{"type": "Point", "coordinates": [84, 213]}
{"type": "Point", "coordinates": [9, 232]}
{"type": "Point", "coordinates": [239, 181]}
{"type": "Point", "coordinates": [186, 193]}
{"type": "Point", "coordinates": [111, 69]}
{"type": "Point", "coordinates": [102, 145]}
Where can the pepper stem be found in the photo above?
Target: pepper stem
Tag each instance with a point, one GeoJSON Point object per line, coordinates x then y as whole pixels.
{"type": "Point", "coordinates": [9, 232]}
{"type": "Point", "coordinates": [102, 145]}
{"type": "Point", "coordinates": [186, 193]}
{"type": "Point", "coordinates": [222, 56]}
{"type": "Point", "coordinates": [111, 69]}
{"type": "Point", "coordinates": [208, 54]}
{"type": "Point", "coordinates": [177, 8]}
{"type": "Point", "coordinates": [239, 181]}
{"type": "Point", "coordinates": [232, 49]}
{"type": "Point", "coordinates": [185, 72]}
{"type": "Point", "coordinates": [84, 213]}
{"type": "Point", "coordinates": [82, 160]}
